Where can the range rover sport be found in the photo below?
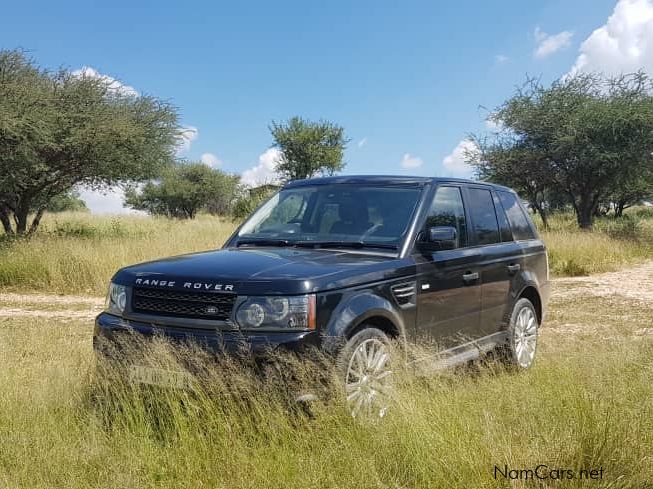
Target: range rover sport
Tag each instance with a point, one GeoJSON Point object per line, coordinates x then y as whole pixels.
{"type": "Point", "coordinates": [348, 264]}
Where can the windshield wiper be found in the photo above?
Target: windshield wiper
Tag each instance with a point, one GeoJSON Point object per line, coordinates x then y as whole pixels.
{"type": "Point", "coordinates": [314, 244]}
{"type": "Point", "coordinates": [264, 242]}
{"type": "Point", "coordinates": [343, 244]}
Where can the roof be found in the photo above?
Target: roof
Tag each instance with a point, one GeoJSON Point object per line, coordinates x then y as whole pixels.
{"type": "Point", "coordinates": [386, 180]}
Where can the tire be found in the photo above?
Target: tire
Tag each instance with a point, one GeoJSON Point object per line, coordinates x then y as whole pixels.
{"type": "Point", "coordinates": [523, 329]}
{"type": "Point", "coordinates": [365, 363]}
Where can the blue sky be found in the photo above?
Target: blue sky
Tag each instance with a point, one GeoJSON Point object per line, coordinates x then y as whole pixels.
{"type": "Point", "coordinates": [408, 80]}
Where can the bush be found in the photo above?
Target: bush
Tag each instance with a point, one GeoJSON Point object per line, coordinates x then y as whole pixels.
{"type": "Point", "coordinates": [185, 189]}
{"type": "Point", "coordinates": [627, 227]}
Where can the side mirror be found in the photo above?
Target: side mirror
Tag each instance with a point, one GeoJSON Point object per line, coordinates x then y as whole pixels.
{"type": "Point", "coordinates": [443, 237]}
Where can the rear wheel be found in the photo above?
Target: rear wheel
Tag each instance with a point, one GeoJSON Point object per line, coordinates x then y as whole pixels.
{"type": "Point", "coordinates": [366, 366]}
{"type": "Point", "coordinates": [522, 335]}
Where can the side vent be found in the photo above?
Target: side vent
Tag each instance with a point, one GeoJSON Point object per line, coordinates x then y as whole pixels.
{"type": "Point", "coordinates": [404, 293]}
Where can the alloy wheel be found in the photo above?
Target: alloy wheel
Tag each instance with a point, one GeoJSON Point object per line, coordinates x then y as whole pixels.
{"type": "Point", "coordinates": [368, 379]}
{"type": "Point", "coordinates": [525, 337]}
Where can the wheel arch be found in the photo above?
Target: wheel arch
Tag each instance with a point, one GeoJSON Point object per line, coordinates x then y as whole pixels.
{"type": "Point", "coordinates": [531, 293]}
{"type": "Point", "coordinates": [378, 321]}
{"type": "Point", "coordinates": [359, 310]}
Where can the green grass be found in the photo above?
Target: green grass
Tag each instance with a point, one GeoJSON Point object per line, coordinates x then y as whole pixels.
{"type": "Point", "coordinates": [78, 253]}
{"type": "Point", "coordinates": [586, 404]}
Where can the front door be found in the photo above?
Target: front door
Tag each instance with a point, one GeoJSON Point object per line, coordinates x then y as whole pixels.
{"type": "Point", "coordinates": [448, 281]}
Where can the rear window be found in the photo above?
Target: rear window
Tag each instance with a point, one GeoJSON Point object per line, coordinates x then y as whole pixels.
{"type": "Point", "coordinates": [519, 222]}
{"type": "Point", "coordinates": [484, 219]}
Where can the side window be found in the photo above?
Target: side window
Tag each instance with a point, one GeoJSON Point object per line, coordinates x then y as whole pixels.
{"type": "Point", "coordinates": [484, 219]}
{"type": "Point", "coordinates": [447, 210]}
{"type": "Point", "coordinates": [504, 227]}
{"type": "Point", "coordinates": [521, 228]}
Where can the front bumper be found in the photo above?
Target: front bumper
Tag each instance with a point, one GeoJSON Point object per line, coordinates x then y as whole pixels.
{"type": "Point", "coordinates": [109, 327]}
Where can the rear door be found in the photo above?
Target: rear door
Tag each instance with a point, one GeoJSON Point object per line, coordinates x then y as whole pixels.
{"type": "Point", "coordinates": [532, 261]}
{"type": "Point", "coordinates": [500, 257]}
{"type": "Point", "coordinates": [448, 285]}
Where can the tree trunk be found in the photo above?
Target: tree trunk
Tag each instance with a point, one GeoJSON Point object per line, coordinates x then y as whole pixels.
{"type": "Point", "coordinates": [585, 212]}
{"type": "Point", "coordinates": [36, 221]}
{"type": "Point", "coordinates": [20, 216]}
{"type": "Point", "coordinates": [619, 209]}
{"type": "Point", "coordinates": [543, 215]}
{"type": "Point", "coordinates": [6, 221]}
{"type": "Point", "coordinates": [545, 219]}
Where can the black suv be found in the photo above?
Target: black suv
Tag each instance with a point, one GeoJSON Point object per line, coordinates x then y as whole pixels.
{"type": "Point", "coordinates": [348, 264]}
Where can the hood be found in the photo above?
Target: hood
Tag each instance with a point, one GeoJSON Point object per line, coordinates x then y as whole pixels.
{"type": "Point", "coordinates": [251, 271]}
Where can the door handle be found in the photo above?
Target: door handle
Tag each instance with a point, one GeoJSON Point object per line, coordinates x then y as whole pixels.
{"type": "Point", "coordinates": [514, 268]}
{"type": "Point", "coordinates": [470, 277]}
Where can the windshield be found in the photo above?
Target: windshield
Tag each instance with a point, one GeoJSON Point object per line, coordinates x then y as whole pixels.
{"type": "Point", "coordinates": [364, 215]}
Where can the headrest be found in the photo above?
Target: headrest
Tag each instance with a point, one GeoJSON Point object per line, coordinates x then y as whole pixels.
{"type": "Point", "coordinates": [352, 210]}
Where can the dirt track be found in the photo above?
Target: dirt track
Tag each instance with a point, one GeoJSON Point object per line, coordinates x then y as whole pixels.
{"type": "Point", "coordinates": [49, 306]}
{"type": "Point", "coordinates": [635, 283]}
{"type": "Point", "coordinates": [632, 284]}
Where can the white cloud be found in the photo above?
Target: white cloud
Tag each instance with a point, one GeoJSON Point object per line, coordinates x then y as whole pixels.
{"type": "Point", "coordinates": [547, 44]}
{"type": "Point", "coordinates": [362, 142]}
{"type": "Point", "coordinates": [265, 171]}
{"type": "Point", "coordinates": [409, 161]}
{"type": "Point", "coordinates": [108, 201]}
{"type": "Point", "coordinates": [456, 163]}
{"type": "Point", "coordinates": [623, 44]}
{"type": "Point", "coordinates": [501, 59]}
{"type": "Point", "coordinates": [493, 126]}
{"type": "Point", "coordinates": [209, 159]}
{"type": "Point", "coordinates": [187, 135]}
{"type": "Point", "coordinates": [113, 84]}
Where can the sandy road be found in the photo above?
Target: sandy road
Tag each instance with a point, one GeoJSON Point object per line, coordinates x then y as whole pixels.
{"type": "Point", "coordinates": [49, 306]}
{"type": "Point", "coordinates": [633, 284]}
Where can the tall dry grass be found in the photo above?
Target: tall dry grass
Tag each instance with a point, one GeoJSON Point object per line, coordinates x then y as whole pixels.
{"type": "Point", "coordinates": [612, 243]}
{"type": "Point", "coordinates": [586, 404]}
{"type": "Point", "coordinates": [62, 426]}
{"type": "Point", "coordinates": [77, 253]}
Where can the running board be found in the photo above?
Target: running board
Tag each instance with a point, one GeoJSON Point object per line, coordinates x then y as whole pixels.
{"type": "Point", "coordinates": [462, 354]}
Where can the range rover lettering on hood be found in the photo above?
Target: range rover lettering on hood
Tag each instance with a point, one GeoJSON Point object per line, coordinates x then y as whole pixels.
{"type": "Point", "coordinates": [185, 285]}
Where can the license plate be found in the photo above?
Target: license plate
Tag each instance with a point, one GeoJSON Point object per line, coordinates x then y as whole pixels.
{"type": "Point", "coordinates": [160, 377]}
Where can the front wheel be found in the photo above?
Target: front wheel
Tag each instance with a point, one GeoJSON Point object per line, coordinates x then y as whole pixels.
{"type": "Point", "coordinates": [366, 366]}
{"type": "Point", "coordinates": [522, 335]}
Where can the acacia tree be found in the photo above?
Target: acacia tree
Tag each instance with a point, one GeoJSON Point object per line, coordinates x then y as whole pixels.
{"type": "Point", "coordinates": [184, 189]}
{"type": "Point", "coordinates": [584, 136]}
{"type": "Point", "coordinates": [308, 148]}
{"type": "Point", "coordinates": [61, 129]}
{"type": "Point", "coordinates": [631, 190]}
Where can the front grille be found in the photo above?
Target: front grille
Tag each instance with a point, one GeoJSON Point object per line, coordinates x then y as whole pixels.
{"type": "Point", "coordinates": [202, 305]}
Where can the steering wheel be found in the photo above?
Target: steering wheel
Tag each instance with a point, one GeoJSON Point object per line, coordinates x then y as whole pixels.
{"type": "Point", "coordinates": [370, 231]}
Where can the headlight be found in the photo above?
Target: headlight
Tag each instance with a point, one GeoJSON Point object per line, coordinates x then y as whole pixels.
{"type": "Point", "coordinates": [116, 299]}
{"type": "Point", "coordinates": [292, 312]}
